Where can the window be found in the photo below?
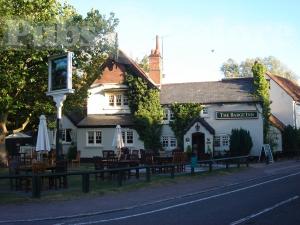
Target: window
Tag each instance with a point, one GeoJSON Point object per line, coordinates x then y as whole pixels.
{"type": "Point", "coordinates": [119, 100]}
{"type": "Point", "coordinates": [168, 142]}
{"type": "Point", "coordinates": [173, 142]}
{"type": "Point", "coordinates": [172, 117]}
{"type": "Point", "coordinates": [125, 100]}
{"type": "Point", "coordinates": [94, 137]}
{"type": "Point", "coordinates": [165, 142]}
{"type": "Point", "coordinates": [127, 136]}
{"type": "Point", "coordinates": [111, 100]}
{"type": "Point", "coordinates": [217, 141]}
{"type": "Point", "coordinates": [166, 114]}
{"type": "Point", "coordinates": [205, 111]}
{"type": "Point", "coordinates": [225, 140]}
{"type": "Point", "coordinates": [66, 135]}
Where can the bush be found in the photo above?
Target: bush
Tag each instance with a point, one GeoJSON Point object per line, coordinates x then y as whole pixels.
{"type": "Point", "coordinates": [240, 142]}
{"type": "Point", "coordinates": [72, 152]}
{"type": "Point", "coordinates": [291, 139]}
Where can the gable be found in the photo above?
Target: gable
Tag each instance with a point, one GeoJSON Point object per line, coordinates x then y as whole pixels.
{"type": "Point", "coordinates": [114, 71]}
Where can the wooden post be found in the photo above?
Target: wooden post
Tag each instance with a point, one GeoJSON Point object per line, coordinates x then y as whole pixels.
{"type": "Point", "coordinates": [227, 164]}
{"type": "Point", "coordinates": [210, 166]}
{"type": "Point", "coordinates": [85, 183]}
{"type": "Point", "coordinates": [137, 173]}
{"type": "Point", "coordinates": [173, 171]}
{"type": "Point", "coordinates": [239, 163]}
{"type": "Point", "coordinates": [148, 178]}
{"type": "Point", "coordinates": [36, 186]}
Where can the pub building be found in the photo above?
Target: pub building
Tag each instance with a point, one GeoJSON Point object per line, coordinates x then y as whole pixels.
{"type": "Point", "coordinates": [227, 104]}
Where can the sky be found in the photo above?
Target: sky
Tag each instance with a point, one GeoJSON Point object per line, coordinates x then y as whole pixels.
{"type": "Point", "coordinates": [200, 35]}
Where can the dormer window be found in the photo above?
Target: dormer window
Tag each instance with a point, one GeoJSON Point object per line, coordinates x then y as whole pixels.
{"type": "Point", "coordinates": [117, 100]}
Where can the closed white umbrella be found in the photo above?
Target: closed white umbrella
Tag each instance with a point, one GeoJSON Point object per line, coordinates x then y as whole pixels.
{"type": "Point", "coordinates": [118, 142]}
{"type": "Point", "coordinates": [42, 143]}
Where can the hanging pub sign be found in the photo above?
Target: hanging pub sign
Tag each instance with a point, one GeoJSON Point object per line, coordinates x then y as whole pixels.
{"type": "Point", "coordinates": [236, 115]}
{"type": "Point", "coordinates": [60, 73]}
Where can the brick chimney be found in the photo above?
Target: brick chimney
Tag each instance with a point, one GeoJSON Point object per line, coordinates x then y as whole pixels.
{"type": "Point", "coordinates": [155, 64]}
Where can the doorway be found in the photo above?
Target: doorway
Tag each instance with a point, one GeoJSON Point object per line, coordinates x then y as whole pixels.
{"type": "Point", "coordinates": [198, 144]}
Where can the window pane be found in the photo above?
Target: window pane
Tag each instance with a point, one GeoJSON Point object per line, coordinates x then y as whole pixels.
{"type": "Point", "coordinates": [225, 140]}
{"type": "Point", "coordinates": [205, 111]}
{"type": "Point", "coordinates": [98, 137]}
{"type": "Point", "coordinates": [165, 141]}
{"type": "Point", "coordinates": [63, 134]}
{"type": "Point", "coordinates": [166, 113]}
{"type": "Point", "coordinates": [119, 100]}
{"type": "Point", "coordinates": [125, 100]}
{"type": "Point", "coordinates": [68, 135]}
{"type": "Point", "coordinates": [90, 137]}
{"type": "Point", "coordinates": [129, 137]}
{"type": "Point", "coordinates": [217, 141]}
{"type": "Point", "coordinates": [123, 136]}
{"type": "Point", "coordinates": [111, 100]}
{"type": "Point", "coordinates": [173, 142]}
{"type": "Point", "coordinates": [171, 115]}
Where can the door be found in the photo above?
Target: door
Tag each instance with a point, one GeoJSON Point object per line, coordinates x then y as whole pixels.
{"type": "Point", "coordinates": [198, 144]}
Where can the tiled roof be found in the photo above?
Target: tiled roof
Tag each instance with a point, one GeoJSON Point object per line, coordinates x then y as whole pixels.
{"type": "Point", "coordinates": [203, 123]}
{"type": "Point", "coordinates": [106, 120]}
{"type": "Point", "coordinates": [289, 86]}
{"type": "Point", "coordinates": [224, 91]}
{"type": "Point", "coordinates": [276, 122]}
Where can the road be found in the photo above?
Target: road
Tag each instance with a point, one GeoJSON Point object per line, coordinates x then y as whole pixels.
{"type": "Point", "coordinates": [273, 199]}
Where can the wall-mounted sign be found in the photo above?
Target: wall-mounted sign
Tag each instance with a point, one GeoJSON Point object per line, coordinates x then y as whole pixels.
{"type": "Point", "coordinates": [60, 73]}
{"type": "Point", "coordinates": [236, 115]}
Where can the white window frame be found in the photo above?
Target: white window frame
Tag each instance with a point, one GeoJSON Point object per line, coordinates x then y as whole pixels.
{"type": "Point", "coordinates": [225, 140]}
{"type": "Point", "coordinates": [204, 112]}
{"type": "Point", "coordinates": [94, 138]}
{"type": "Point", "coordinates": [166, 142]}
{"type": "Point", "coordinates": [64, 135]}
{"type": "Point", "coordinates": [125, 135]}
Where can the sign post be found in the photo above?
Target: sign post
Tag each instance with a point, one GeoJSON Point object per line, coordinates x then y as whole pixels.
{"type": "Point", "coordinates": [59, 84]}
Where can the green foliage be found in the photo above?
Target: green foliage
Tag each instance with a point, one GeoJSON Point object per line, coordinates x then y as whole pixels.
{"type": "Point", "coordinates": [261, 91]}
{"type": "Point", "coordinates": [231, 68]}
{"type": "Point", "coordinates": [144, 63]}
{"type": "Point", "coordinates": [72, 152]}
{"type": "Point", "coordinates": [24, 69]}
{"type": "Point", "coordinates": [240, 142]}
{"type": "Point", "coordinates": [145, 105]}
{"type": "Point", "coordinates": [291, 139]}
{"type": "Point", "coordinates": [183, 116]}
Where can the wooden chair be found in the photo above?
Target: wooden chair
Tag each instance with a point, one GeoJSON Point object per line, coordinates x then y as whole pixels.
{"type": "Point", "coordinates": [76, 162]}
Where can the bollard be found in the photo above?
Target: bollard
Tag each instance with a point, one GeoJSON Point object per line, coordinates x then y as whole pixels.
{"type": "Point", "coordinates": [192, 171]}
{"type": "Point", "coordinates": [210, 166]}
{"type": "Point", "coordinates": [227, 165]}
{"type": "Point", "coordinates": [238, 163]}
{"type": "Point", "coordinates": [36, 186]}
{"type": "Point", "coordinates": [85, 183]}
{"type": "Point", "coordinates": [247, 162]}
{"type": "Point", "coordinates": [148, 178]}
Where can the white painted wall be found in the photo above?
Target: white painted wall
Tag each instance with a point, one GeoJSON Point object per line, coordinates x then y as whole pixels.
{"type": "Point", "coordinates": [297, 114]}
{"type": "Point", "coordinates": [254, 126]}
{"type": "Point", "coordinates": [282, 105]}
{"type": "Point", "coordinates": [66, 123]}
{"type": "Point", "coordinates": [107, 140]}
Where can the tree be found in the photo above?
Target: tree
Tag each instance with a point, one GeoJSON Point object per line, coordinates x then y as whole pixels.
{"type": "Point", "coordinates": [240, 142]}
{"type": "Point", "coordinates": [232, 69]}
{"type": "Point", "coordinates": [143, 63]}
{"type": "Point", "coordinates": [145, 105]}
{"type": "Point", "coordinates": [184, 114]}
{"type": "Point", "coordinates": [261, 91]}
{"type": "Point", "coordinates": [48, 28]}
